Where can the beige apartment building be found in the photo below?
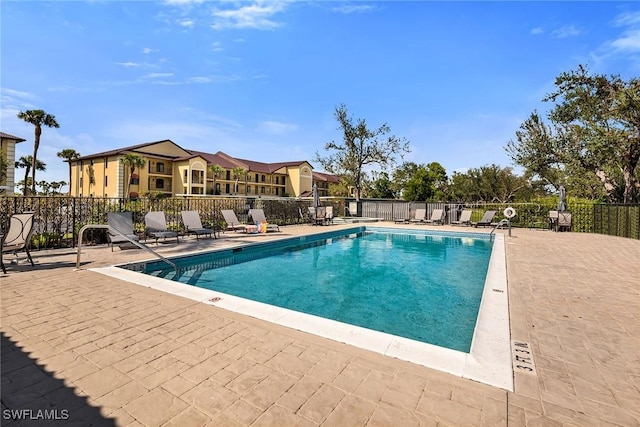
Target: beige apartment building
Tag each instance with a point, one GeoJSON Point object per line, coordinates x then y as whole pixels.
{"type": "Point", "coordinates": [172, 170]}
{"type": "Point", "coordinates": [8, 157]}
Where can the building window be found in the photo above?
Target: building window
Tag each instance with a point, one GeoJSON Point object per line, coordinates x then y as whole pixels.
{"type": "Point", "coordinates": [262, 178]}
{"type": "Point", "coordinates": [106, 180]}
{"type": "Point", "coordinates": [248, 189]}
{"type": "Point", "coordinates": [106, 163]}
{"type": "Point", "coordinates": [277, 191]}
{"type": "Point", "coordinates": [186, 175]}
{"type": "Point", "coordinates": [226, 188]}
{"type": "Point", "coordinates": [262, 190]}
{"type": "Point", "coordinates": [159, 183]}
{"type": "Point", "coordinates": [160, 167]}
{"type": "Point", "coordinates": [283, 178]}
{"type": "Point", "coordinates": [228, 176]}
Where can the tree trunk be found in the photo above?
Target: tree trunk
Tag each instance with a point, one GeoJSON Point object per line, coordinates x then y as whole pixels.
{"type": "Point", "coordinates": [69, 177]}
{"type": "Point", "coordinates": [609, 187]}
{"type": "Point", "coordinates": [36, 144]}
{"type": "Point", "coordinates": [629, 181]}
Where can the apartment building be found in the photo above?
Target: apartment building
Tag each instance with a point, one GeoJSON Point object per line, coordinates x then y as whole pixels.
{"type": "Point", "coordinates": [172, 170]}
{"type": "Point", "coordinates": [8, 162]}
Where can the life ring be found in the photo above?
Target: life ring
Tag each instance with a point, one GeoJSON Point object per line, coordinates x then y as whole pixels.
{"type": "Point", "coordinates": [509, 212]}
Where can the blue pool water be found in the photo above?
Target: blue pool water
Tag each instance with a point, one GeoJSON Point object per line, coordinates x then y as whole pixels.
{"type": "Point", "coordinates": [420, 285]}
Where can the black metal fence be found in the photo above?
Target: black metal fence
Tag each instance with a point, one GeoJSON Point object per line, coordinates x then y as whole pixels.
{"type": "Point", "coordinates": [59, 218]}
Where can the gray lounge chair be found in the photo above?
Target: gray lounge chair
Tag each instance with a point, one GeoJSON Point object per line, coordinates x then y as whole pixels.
{"type": "Point", "coordinates": [486, 219]}
{"type": "Point", "coordinates": [437, 217]}
{"type": "Point", "coordinates": [420, 216]}
{"type": "Point", "coordinates": [156, 226]}
{"type": "Point", "coordinates": [465, 218]}
{"type": "Point", "coordinates": [193, 224]}
{"type": "Point", "coordinates": [260, 218]}
{"type": "Point", "coordinates": [122, 222]}
{"type": "Point", "coordinates": [18, 237]}
{"type": "Point", "coordinates": [232, 220]}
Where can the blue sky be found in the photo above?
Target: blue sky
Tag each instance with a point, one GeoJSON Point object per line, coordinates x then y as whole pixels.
{"type": "Point", "coordinates": [261, 79]}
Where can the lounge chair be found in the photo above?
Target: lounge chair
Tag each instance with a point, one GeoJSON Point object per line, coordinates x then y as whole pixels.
{"type": "Point", "coordinates": [486, 219]}
{"type": "Point", "coordinates": [465, 218]}
{"type": "Point", "coordinates": [553, 220]}
{"type": "Point", "coordinates": [420, 216]}
{"type": "Point", "coordinates": [193, 224]}
{"type": "Point", "coordinates": [156, 226]}
{"type": "Point", "coordinates": [564, 221]}
{"type": "Point", "coordinates": [18, 237]}
{"type": "Point", "coordinates": [400, 216]}
{"type": "Point", "coordinates": [437, 217]}
{"type": "Point", "coordinates": [328, 218]}
{"type": "Point", "coordinates": [259, 218]}
{"type": "Point", "coordinates": [232, 220]}
{"type": "Point", "coordinates": [122, 223]}
{"type": "Point", "coordinates": [317, 215]}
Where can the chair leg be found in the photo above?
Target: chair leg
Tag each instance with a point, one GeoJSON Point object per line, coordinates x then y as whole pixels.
{"type": "Point", "coordinates": [29, 257]}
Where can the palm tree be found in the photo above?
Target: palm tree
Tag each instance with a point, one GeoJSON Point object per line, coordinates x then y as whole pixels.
{"type": "Point", "coordinates": [69, 154]}
{"type": "Point", "coordinates": [133, 161]}
{"type": "Point", "coordinates": [216, 170]}
{"type": "Point", "coordinates": [27, 163]}
{"type": "Point", "coordinates": [238, 173]}
{"type": "Point", "coordinates": [37, 118]}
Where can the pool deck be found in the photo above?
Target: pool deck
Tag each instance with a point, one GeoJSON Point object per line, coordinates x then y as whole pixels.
{"type": "Point", "coordinates": [102, 351]}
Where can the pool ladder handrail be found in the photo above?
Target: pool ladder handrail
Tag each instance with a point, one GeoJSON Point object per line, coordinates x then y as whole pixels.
{"type": "Point", "coordinates": [136, 243]}
{"type": "Point", "coordinates": [501, 222]}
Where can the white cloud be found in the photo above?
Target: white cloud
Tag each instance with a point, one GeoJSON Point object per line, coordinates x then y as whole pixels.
{"type": "Point", "coordinates": [216, 47]}
{"type": "Point", "coordinates": [353, 8]}
{"type": "Point", "coordinates": [148, 50]}
{"type": "Point", "coordinates": [128, 64]}
{"type": "Point", "coordinates": [277, 128]}
{"type": "Point", "coordinates": [255, 16]}
{"type": "Point", "coordinates": [188, 23]}
{"type": "Point", "coordinates": [627, 19]}
{"type": "Point", "coordinates": [182, 2]}
{"type": "Point", "coordinates": [565, 31]}
{"type": "Point", "coordinates": [629, 41]}
{"type": "Point", "coordinates": [537, 30]}
{"type": "Point", "coordinates": [158, 75]}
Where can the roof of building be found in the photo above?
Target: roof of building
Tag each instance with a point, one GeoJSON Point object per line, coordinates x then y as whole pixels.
{"type": "Point", "coordinates": [322, 176]}
{"type": "Point", "coordinates": [136, 148]}
{"type": "Point", "coordinates": [7, 136]}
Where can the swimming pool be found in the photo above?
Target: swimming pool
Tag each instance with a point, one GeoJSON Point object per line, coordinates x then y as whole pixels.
{"type": "Point", "coordinates": [315, 260]}
{"type": "Point", "coordinates": [417, 285]}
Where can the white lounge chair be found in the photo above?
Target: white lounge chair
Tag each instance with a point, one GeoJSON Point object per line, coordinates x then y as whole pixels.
{"type": "Point", "coordinates": [420, 216]}
{"type": "Point", "coordinates": [465, 218]}
{"type": "Point", "coordinates": [156, 226]}
{"type": "Point", "coordinates": [122, 223]}
{"type": "Point", "coordinates": [232, 220]}
{"type": "Point", "coordinates": [328, 215]}
{"type": "Point", "coordinates": [260, 218]}
{"type": "Point", "coordinates": [18, 237]}
{"type": "Point", "coordinates": [317, 215]}
{"type": "Point", "coordinates": [193, 224]}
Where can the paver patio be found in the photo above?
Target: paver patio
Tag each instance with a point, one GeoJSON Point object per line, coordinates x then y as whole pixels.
{"type": "Point", "coordinates": [93, 350]}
